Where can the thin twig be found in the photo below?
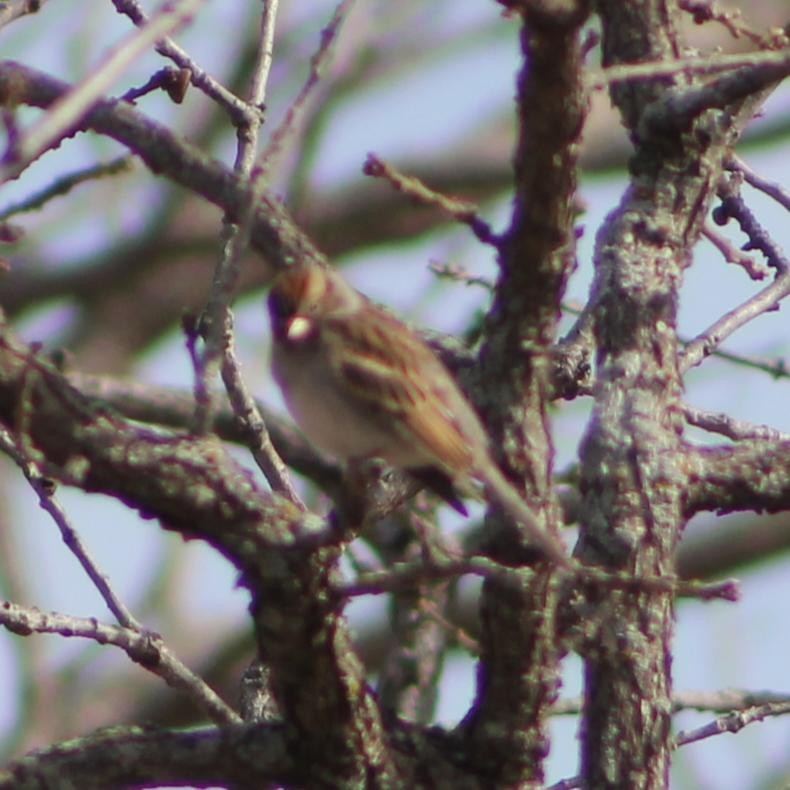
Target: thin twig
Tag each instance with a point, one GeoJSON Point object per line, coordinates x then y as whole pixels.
{"type": "Point", "coordinates": [733, 206]}
{"type": "Point", "coordinates": [217, 320]}
{"type": "Point", "coordinates": [407, 575]}
{"type": "Point", "coordinates": [248, 132]}
{"type": "Point", "coordinates": [732, 254]}
{"type": "Point", "coordinates": [763, 301]}
{"type": "Point", "coordinates": [217, 310]}
{"type": "Point", "coordinates": [725, 590]}
{"type": "Point", "coordinates": [142, 647]}
{"type": "Point", "coordinates": [13, 9]}
{"type": "Point", "coordinates": [732, 20]}
{"type": "Point", "coordinates": [726, 700]}
{"type": "Point", "coordinates": [63, 185]}
{"type": "Point", "coordinates": [773, 190]}
{"type": "Point", "coordinates": [238, 109]}
{"type": "Point", "coordinates": [215, 324]}
{"type": "Point", "coordinates": [258, 437]}
{"type": "Point", "coordinates": [459, 210]}
{"type": "Point", "coordinates": [638, 71]}
{"type": "Point", "coordinates": [328, 36]}
{"type": "Point", "coordinates": [67, 111]}
{"type": "Point", "coordinates": [459, 274]}
{"type": "Point", "coordinates": [732, 722]}
{"type": "Point", "coordinates": [44, 489]}
{"type": "Point", "coordinates": [777, 368]}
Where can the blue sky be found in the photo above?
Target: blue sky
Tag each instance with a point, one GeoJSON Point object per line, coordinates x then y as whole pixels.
{"type": "Point", "coordinates": [717, 645]}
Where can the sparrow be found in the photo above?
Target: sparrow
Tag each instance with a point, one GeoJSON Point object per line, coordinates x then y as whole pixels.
{"type": "Point", "coordinates": [361, 384]}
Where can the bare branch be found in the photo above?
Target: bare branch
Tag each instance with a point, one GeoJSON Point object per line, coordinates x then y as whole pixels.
{"type": "Point", "coordinates": [459, 210]}
{"type": "Point", "coordinates": [733, 207]}
{"type": "Point", "coordinates": [317, 63]}
{"type": "Point", "coordinates": [751, 475]}
{"type": "Point", "coordinates": [717, 701]}
{"type": "Point", "coordinates": [737, 430]}
{"type": "Point", "coordinates": [770, 188]}
{"type": "Point", "coordinates": [45, 489]}
{"type": "Point", "coordinates": [238, 110]}
{"type": "Point", "coordinates": [409, 575]}
{"type": "Point", "coordinates": [631, 517]}
{"type": "Point", "coordinates": [636, 484]}
{"type": "Point", "coordinates": [70, 108]}
{"type": "Point", "coordinates": [727, 699]}
{"type": "Point", "coordinates": [763, 301]}
{"type": "Point", "coordinates": [143, 647]}
{"type": "Point", "coordinates": [777, 369]}
{"type": "Point", "coordinates": [731, 19]}
{"type": "Point", "coordinates": [216, 323]}
{"type": "Point", "coordinates": [63, 185]}
{"type": "Point", "coordinates": [287, 557]}
{"type": "Point", "coordinates": [733, 722]}
{"type": "Point", "coordinates": [13, 9]}
{"type": "Point", "coordinates": [678, 109]}
{"type": "Point", "coordinates": [244, 756]}
{"type": "Point", "coordinates": [518, 646]}
{"type": "Point", "coordinates": [175, 409]}
{"type": "Point", "coordinates": [732, 254]}
{"type": "Point", "coordinates": [183, 480]}
{"type": "Point", "coordinates": [629, 72]}
{"type": "Point", "coordinates": [274, 233]}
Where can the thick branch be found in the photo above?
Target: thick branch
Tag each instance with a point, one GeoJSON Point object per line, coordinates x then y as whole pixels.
{"type": "Point", "coordinates": [244, 756]}
{"type": "Point", "coordinates": [176, 408]}
{"type": "Point", "coordinates": [193, 486]}
{"type": "Point", "coordinates": [750, 475]}
{"type": "Point", "coordinates": [518, 673]}
{"type": "Point", "coordinates": [676, 111]}
{"type": "Point", "coordinates": [274, 233]}
{"type": "Point", "coordinates": [188, 483]}
{"type": "Point", "coordinates": [631, 455]}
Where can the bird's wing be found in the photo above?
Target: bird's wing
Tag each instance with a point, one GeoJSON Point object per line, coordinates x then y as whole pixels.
{"type": "Point", "coordinates": [378, 364]}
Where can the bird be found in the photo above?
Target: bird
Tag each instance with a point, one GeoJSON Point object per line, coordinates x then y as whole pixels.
{"type": "Point", "coordinates": [361, 384]}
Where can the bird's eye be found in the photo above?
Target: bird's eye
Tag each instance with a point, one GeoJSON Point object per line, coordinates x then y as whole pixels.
{"type": "Point", "coordinates": [300, 329]}
{"type": "Point", "coordinates": [290, 321]}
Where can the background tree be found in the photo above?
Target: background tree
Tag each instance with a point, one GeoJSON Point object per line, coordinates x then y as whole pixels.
{"type": "Point", "coordinates": [107, 262]}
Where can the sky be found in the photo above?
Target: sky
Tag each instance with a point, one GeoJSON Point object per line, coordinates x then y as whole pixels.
{"type": "Point", "coordinates": [718, 645]}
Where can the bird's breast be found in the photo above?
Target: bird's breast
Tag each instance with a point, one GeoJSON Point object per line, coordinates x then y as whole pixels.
{"type": "Point", "coordinates": [328, 414]}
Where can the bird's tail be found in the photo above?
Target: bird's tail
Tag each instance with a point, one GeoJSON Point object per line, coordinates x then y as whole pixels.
{"type": "Point", "coordinates": [502, 492]}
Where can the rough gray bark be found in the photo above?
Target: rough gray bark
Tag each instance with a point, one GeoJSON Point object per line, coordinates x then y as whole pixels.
{"type": "Point", "coordinates": [639, 480]}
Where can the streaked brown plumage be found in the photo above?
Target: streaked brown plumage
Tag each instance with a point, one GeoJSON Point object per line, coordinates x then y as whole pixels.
{"type": "Point", "coordinates": [361, 384]}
